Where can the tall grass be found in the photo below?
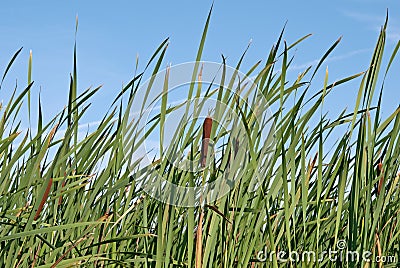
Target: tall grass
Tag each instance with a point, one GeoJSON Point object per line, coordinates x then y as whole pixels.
{"type": "Point", "coordinates": [66, 201]}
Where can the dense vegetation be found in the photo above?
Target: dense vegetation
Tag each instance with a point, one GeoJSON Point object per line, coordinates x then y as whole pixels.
{"type": "Point", "coordinates": [69, 199]}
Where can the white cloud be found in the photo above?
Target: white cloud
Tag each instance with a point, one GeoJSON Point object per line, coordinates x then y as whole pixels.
{"type": "Point", "coordinates": [330, 59]}
{"type": "Point", "coordinates": [362, 17]}
{"type": "Point", "coordinates": [374, 22]}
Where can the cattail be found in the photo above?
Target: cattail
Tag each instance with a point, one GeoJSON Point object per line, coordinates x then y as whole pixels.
{"type": "Point", "coordinates": [44, 198]}
{"type": "Point", "coordinates": [207, 125]}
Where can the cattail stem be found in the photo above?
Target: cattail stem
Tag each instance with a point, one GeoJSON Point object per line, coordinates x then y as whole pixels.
{"type": "Point", "coordinates": [199, 241]}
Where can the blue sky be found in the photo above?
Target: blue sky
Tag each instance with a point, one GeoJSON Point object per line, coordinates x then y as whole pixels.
{"type": "Point", "coordinates": [112, 34]}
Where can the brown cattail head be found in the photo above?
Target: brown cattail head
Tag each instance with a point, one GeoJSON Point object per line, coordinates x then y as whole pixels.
{"type": "Point", "coordinates": [207, 125]}
{"type": "Point", "coordinates": [44, 198]}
